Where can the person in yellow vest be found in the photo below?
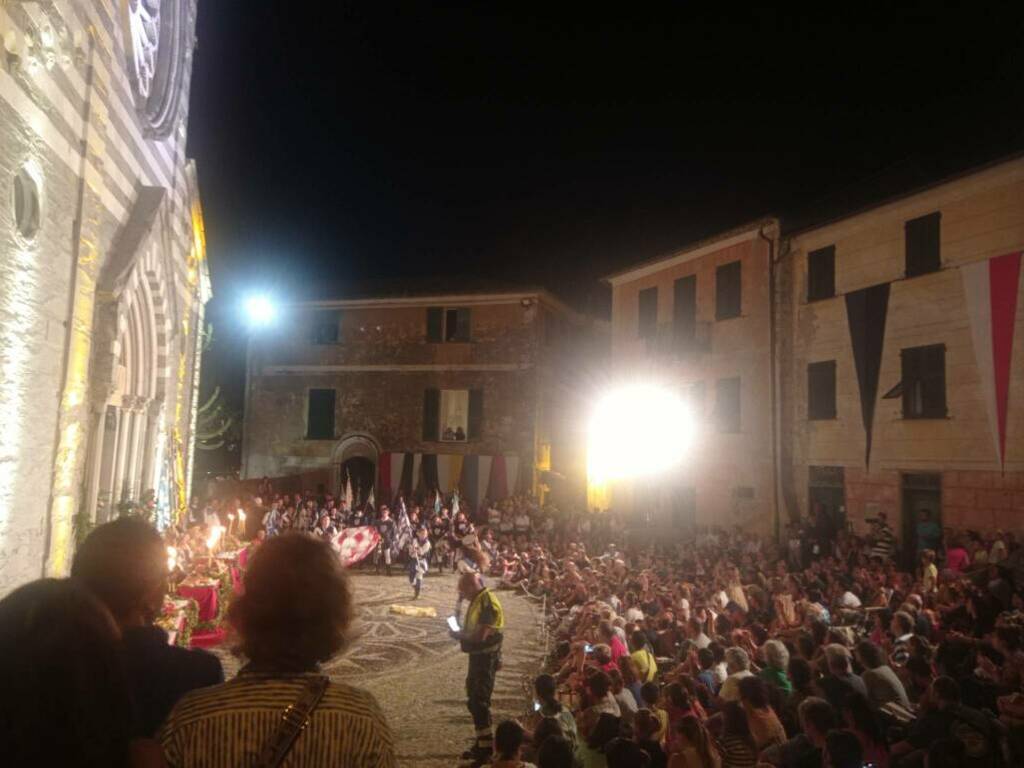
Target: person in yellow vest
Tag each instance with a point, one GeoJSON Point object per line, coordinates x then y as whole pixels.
{"type": "Point", "coordinates": [480, 637]}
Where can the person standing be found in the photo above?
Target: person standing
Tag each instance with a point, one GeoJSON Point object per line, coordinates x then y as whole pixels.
{"type": "Point", "coordinates": [386, 529]}
{"type": "Point", "coordinates": [480, 638]}
{"type": "Point", "coordinates": [295, 614]}
{"type": "Point", "coordinates": [124, 564]}
{"type": "Point", "coordinates": [419, 558]}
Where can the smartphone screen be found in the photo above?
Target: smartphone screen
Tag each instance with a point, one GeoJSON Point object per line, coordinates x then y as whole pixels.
{"type": "Point", "coordinates": [536, 706]}
{"type": "Point", "coordinates": [588, 648]}
{"type": "Point", "coordinates": [453, 624]}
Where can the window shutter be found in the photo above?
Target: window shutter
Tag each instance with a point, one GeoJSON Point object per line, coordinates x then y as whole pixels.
{"type": "Point", "coordinates": [647, 321]}
{"type": "Point", "coordinates": [462, 325]}
{"type": "Point", "coordinates": [476, 414]}
{"type": "Point", "coordinates": [435, 324]}
{"type": "Point", "coordinates": [922, 245]}
{"type": "Point", "coordinates": [431, 414]}
{"type": "Point", "coordinates": [320, 414]}
{"type": "Point", "coordinates": [684, 307]}
{"type": "Point", "coordinates": [821, 273]}
{"type": "Point", "coordinates": [728, 290]}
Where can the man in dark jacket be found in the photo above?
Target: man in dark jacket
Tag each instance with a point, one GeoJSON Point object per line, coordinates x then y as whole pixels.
{"type": "Point", "coordinates": [124, 563]}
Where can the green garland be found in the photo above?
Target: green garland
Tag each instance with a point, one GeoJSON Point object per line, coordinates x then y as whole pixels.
{"type": "Point", "coordinates": [225, 591]}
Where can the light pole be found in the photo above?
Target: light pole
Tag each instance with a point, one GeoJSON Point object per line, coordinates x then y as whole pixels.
{"type": "Point", "coordinates": [260, 313]}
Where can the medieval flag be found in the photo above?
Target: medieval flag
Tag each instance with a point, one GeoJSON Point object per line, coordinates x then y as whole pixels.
{"type": "Point", "coordinates": [866, 311]}
{"type": "Point", "coordinates": [354, 544]}
{"type": "Point", "coordinates": [991, 287]}
{"type": "Point", "coordinates": [455, 502]}
{"type": "Point", "coordinates": [403, 531]}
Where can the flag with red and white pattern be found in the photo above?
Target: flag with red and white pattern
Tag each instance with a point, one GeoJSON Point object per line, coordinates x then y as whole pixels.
{"type": "Point", "coordinates": [354, 544]}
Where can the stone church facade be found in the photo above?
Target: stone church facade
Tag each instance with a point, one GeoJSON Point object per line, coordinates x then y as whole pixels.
{"type": "Point", "coordinates": [103, 277]}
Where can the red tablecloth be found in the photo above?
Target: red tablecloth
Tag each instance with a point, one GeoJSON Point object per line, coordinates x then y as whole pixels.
{"type": "Point", "coordinates": [205, 596]}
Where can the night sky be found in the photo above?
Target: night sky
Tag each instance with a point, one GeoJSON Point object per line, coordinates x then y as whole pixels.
{"type": "Point", "coordinates": [402, 142]}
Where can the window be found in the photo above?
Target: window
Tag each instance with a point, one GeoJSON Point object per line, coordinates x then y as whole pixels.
{"type": "Point", "coordinates": [728, 281]}
{"type": "Point", "coordinates": [452, 415]}
{"type": "Point", "coordinates": [821, 390]}
{"type": "Point", "coordinates": [922, 245]}
{"type": "Point", "coordinates": [325, 326]}
{"type": "Point", "coordinates": [924, 382]}
{"type": "Point", "coordinates": [25, 201]}
{"type": "Point", "coordinates": [727, 405]}
{"type": "Point", "coordinates": [648, 320]}
{"type": "Point", "coordinates": [697, 398]}
{"type": "Point", "coordinates": [320, 415]}
{"type": "Point", "coordinates": [821, 273]}
{"type": "Point", "coordinates": [684, 308]}
{"type": "Point", "coordinates": [448, 324]}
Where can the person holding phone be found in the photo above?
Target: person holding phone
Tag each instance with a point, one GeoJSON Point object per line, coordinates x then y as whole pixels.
{"type": "Point", "coordinates": [480, 638]}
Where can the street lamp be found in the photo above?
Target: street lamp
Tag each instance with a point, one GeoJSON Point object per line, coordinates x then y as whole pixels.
{"type": "Point", "coordinates": [637, 430]}
{"type": "Point", "coordinates": [260, 311]}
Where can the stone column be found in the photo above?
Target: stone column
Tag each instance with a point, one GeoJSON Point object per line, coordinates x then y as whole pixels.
{"type": "Point", "coordinates": [137, 407]}
{"type": "Point", "coordinates": [154, 414]}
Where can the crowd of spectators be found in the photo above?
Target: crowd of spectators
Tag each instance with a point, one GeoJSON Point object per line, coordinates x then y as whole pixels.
{"type": "Point", "coordinates": [725, 648]}
{"type": "Point", "coordinates": [710, 649]}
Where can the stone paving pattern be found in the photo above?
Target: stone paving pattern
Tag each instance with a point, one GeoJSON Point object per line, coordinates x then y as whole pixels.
{"type": "Point", "coordinates": [418, 673]}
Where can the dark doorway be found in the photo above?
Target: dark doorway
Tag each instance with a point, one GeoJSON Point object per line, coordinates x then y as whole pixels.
{"type": "Point", "coordinates": [363, 474]}
{"type": "Point", "coordinates": [920, 492]}
{"type": "Point", "coordinates": [826, 494]}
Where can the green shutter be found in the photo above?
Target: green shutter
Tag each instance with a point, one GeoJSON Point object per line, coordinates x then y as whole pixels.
{"type": "Point", "coordinates": [462, 325]}
{"type": "Point", "coordinates": [476, 414]}
{"type": "Point", "coordinates": [435, 324]}
{"type": "Point", "coordinates": [431, 414]}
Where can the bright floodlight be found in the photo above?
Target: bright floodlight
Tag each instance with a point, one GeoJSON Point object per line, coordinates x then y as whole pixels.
{"type": "Point", "coordinates": [260, 310]}
{"type": "Point", "coordinates": [638, 430]}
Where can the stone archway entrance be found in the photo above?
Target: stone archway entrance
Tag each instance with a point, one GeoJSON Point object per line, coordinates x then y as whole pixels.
{"type": "Point", "coordinates": [355, 457]}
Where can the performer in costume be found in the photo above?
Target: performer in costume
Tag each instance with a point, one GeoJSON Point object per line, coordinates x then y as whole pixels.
{"type": "Point", "coordinates": [419, 559]}
{"type": "Point", "coordinates": [386, 528]}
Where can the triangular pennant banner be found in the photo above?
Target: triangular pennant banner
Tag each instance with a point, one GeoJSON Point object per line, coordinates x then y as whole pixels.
{"type": "Point", "coordinates": [866, 310]}
{"type": "Point", "coordinates": [991, 288]}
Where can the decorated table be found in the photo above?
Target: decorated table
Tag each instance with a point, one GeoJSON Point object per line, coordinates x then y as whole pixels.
{"type": "Point", "coordinates": [206, 593]}
{"type": "Point", "coordinates": [178, 620]}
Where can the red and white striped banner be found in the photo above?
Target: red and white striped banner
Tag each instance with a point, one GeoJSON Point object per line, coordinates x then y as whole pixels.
{"type": "Point", "coordinates": [991, 288]}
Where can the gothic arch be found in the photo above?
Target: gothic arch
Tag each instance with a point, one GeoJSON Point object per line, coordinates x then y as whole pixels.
{"type": "Point", "coordinates": [130, 387]}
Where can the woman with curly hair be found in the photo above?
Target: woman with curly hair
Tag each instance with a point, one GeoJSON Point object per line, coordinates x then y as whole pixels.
{"type": "Point", "coordinates": [295, 614]}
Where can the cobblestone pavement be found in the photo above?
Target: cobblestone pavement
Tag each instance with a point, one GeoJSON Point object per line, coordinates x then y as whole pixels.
{"type": "Point", "coordinates": [417, 672]}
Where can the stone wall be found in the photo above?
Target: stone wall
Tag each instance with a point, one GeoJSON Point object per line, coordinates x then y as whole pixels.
{"type": "Point", "coordinates": [70, 119]}
{"type": "Point", "coordinates": [526, 354]}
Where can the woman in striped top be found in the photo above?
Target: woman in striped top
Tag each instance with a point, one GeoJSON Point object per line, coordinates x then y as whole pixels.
{"type": "Point", "coordinates": [295, 613]}
{"type": "Point", "coordinates": [736, 743]}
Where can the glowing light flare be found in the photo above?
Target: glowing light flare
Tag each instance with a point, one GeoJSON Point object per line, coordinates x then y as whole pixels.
{"type": "Point", "coordinates": [260, 310]}
{"type": "Point", "coordinates": [216, 532]}
{"type": "Point", "coordinates": [636, 431]}
{"type": "Point", "coordinates": [172, 558]}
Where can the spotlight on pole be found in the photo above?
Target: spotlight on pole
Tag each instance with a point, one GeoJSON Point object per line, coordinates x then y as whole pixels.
{"type": "Point", "coordinates": [637, 430]}
{"type": "Point", "coordinates": [260, 311]}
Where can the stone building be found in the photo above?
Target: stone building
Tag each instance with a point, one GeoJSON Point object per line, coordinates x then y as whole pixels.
{"type": "Point", "coordinates": [877, 361]}
{"type": "Point", "coordinates": [695, 320]}
{"type": "Point", "coordinates": [468, 390]}
{"type": "Point", "coordinates": [103, 270]}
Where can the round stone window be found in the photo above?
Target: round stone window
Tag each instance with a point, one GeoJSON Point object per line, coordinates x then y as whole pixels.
{"type": "Point", "coordinates": [159, 33]}
{"type": "Point", "coordinates": [25, 200]}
